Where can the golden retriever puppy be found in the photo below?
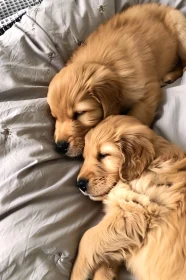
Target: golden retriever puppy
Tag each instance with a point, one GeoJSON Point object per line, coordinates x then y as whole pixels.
{"type": "Point", "coordinates": [117, 69]}
{"type": "Point", "coordinates": [142, 179]}
{"type": "Point", "coordinates": [120, 147]}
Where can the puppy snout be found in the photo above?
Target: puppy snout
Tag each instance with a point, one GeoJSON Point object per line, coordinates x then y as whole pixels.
{"type": "Point", "coordinates": [62, 147]}
{"type": "Point", "coordinates": [82, 184]}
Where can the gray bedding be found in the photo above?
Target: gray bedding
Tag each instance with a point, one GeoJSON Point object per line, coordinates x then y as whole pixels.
{"type": "Point", "coordinates": [42, 213]}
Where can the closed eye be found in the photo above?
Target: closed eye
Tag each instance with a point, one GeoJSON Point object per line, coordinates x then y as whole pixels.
{"type": "Point", "coordinates": [102, 156]}
{"type": "Point", "coordinates": [78, 114]}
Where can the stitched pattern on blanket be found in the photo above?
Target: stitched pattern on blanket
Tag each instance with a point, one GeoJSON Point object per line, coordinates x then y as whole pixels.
{"type": "Point", "coordinates": [11, 11]}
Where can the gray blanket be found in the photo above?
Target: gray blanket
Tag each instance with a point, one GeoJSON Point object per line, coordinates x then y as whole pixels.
{"type": "Point", "coordinates": [42, 213]}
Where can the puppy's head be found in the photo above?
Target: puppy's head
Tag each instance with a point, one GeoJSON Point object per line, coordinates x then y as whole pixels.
{"type": "Point", "coordinates": [119, 148]}
{"type": "Point", "coordinates": [80, 96]}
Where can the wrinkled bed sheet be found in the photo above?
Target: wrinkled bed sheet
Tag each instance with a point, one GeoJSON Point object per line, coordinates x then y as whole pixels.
{"type": "Point", "coordinates": [42, 213]}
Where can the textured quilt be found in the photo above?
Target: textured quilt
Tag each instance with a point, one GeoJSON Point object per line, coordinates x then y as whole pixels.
{"type": "Point", "coordinates": [42, 213]}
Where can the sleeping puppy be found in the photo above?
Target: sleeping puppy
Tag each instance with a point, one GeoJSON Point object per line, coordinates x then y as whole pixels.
{"type": "Point", "coordinates": [142, 179]}
{"type": "Point", "coordinates": [117, 69]}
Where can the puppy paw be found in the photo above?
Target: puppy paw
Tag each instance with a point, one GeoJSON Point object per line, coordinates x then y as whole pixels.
{"type": "Point", "coordinates": [168, 79]}
{"type": "Point", "coordinates": [105, 272]}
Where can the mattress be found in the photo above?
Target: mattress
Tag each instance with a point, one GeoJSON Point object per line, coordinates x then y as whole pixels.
{"type": "Point", "coordinates": [42, 213]}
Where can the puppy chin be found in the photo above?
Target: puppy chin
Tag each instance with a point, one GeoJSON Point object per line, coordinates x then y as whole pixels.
{"type": "Point", "coordinates": [98, 198]}
{"type": "Point", "coordinates": [74, 152]}
{"type": "Point", "coordinates": [84, 193]}
{"type": "Point", "coordinates": [95, 198]}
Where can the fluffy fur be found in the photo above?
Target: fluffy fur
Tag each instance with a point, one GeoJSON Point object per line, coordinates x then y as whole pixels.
{"type": "Point", "coordinates": [142, 179]}
{"type": "Point", "coordinates": [118, 68]}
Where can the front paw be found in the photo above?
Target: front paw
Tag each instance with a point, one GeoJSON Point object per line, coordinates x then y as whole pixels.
{"type": "Point", "coordinates": [79, 273]}
{"type": "Point", "coordinates": [106, 272]}
{"type": "Point", "coordinates": [87, 258]}
{"type": "Point", "coordinates": [83, 265]}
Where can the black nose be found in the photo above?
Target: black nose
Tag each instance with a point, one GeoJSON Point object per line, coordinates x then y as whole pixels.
{"type": "Point", "coordinates": [82, 184]}
{"type": "Point", "coordinates": [62, 147]}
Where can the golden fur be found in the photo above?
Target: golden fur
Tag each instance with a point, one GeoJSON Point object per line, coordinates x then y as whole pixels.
{"type": "Point", "coordinates": [119, 67]}
{"type": "Point", "coordinates": [145, 221]}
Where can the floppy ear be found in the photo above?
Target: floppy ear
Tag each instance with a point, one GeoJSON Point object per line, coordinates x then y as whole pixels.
{"type": "Point", "coordinates": [137, 154]}
{"type": "Point", "coordinates": [105, 87]}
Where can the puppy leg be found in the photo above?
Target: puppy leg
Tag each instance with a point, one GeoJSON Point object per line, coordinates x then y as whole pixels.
{"type": "Point", "coordinates": [145, 109]}
{"type": "Point", "coordinates": [106, 272]}
{"type": "Point", "coordinates": [112, 240]}
{"type": "Point", "coordinates": [88, 259]}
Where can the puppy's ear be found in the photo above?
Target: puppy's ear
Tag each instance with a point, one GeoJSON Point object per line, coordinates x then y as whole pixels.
{"type": "Point", "coordinates": [106, 88]}
{"type": "Point", "coordinates": [137, 154]}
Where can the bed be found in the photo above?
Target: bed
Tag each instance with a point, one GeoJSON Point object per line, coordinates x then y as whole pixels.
{"type": "Point", "coordinates": [42, 213]}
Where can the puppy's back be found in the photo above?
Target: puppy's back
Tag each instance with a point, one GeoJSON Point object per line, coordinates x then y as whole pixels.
{"type": "Point", "coordinates": [139, 33]}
